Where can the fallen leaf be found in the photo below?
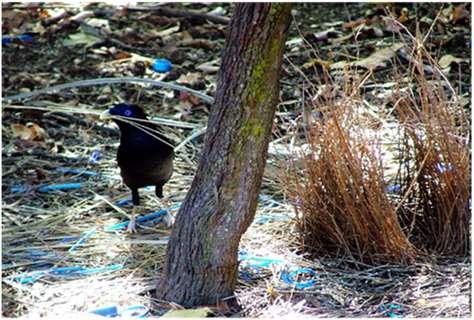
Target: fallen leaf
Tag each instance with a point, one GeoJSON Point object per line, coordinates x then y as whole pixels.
{"type": "Point", "coordinates": [191, 78]}
{"type": "Point", "coordinates": [377, 60]}
{"type": "Point", "coordinates": [80, 38]}
{"type": "Point", "coordinates": [460, 14]}
{"type": "Point", "coordinates": [184, 96]}
{"type": "Point", "coordinates": [31, 131]}
{"type": "Point", "coordinates": [446, 61]}
{"type": "Point", "coordinates": [354, 24]}
{"type": "Point", "coordinates": [316, 63]}
{"type": "Point", "coordinates": [324, 36]}
{"type": "Point", "coordinates": [99, 24]}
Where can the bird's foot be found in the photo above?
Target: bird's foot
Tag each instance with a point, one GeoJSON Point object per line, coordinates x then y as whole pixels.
{"type": "Point", "coordinates": [132, 226]}
{"type": "Point", "coordinates": [168, 220]}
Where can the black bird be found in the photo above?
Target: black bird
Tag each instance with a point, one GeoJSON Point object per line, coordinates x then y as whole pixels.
{"type": "Point", "coordinates": [144, 156]}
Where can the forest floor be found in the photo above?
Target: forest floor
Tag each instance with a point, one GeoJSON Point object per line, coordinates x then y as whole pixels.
{"type": "Point", "coordinates": [61, 189]}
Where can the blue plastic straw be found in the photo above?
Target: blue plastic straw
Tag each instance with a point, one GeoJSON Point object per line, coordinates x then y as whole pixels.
{"type": "Point", "coordinates": [85, 236]}
{"type": "Point", "coordinates": [60, 187]}
{"type": "Point", "coordinates": [82, 172]}
{"type": "Point", "coordinates": [63, 272]}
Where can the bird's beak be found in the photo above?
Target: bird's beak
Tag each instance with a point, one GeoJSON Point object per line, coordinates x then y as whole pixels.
{"type": "Point", "coordinates": [105, 115]}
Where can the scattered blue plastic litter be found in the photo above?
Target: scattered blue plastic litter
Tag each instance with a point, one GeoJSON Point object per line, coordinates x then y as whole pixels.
{"type": "Point", "coordinates": [161, 65]}
{"type": "Point", "coordinates": [35, 254]}
{"type": "Point", "coordinates": [47, 188]}
{"type": "Point", "coordinates": [264, 218]}
{"type": "Point", "coordinates": [19, 189]}
{"type": "Point", "coordinates": [6, 40]}
{"type": "Point", "coordinates": [441, 167]}
{"type": "Point", "coordinates": [62, 272]}
{"type": "Point", "coordinates": [268, 200]}
{"type": "Point", "coordinates": [67, 239]}
{"type": "Point", "coordinates": [258, 262]}
{"type": "Point", "coordinates": [85, 236]}
{"type": "Point", "coordinates": [137, 311]}
{"type": "Point", "coordinates": [147, 218]}
{"type": "Point", "coordinates": [60, 187]}
{"type": "Point", "coordinates": [394, 188]}
{"type": "Point", "coordinates": [392, 310]}
{"type": "Point", "coordinates": [123, 202]}
{"type": "Point", "coordinates": [289, 278]}
{"type": "Point", "coordinates": [81, 172]}
{"type": "Point", "coordinates": [95, 157]}
{"type": "Point", "coordinates": [109, 311]}
{"type": "Point", "coordinates": [244, 275]}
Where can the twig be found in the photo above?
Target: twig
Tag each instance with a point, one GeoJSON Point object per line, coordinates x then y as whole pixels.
{"type": "Point", "coordinates": [104, 81]}
{"type": "Point", "coordinates": [182, 13]}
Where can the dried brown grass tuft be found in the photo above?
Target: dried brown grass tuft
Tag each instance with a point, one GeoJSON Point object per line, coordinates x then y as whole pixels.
{"type": "Point", "coordinates": [436, 137]}
{"type": "Point", "coordinates": [338, 185]}
{"type": "Point", "coordinates": [339, 190]}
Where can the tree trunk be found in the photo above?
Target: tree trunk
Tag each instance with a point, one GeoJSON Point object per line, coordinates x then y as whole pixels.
{"type": "Point", "coordinates": [202, 263]}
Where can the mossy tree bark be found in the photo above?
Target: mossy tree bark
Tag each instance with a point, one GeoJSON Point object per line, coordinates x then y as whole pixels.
{"type": "Point", "coordinates": [202, 263]}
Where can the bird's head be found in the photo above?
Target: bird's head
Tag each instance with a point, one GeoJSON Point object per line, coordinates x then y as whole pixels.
{"type": "Point", "coordinates": [124, 110]}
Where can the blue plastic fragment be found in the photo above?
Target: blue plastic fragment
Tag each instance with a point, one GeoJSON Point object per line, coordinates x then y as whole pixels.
{"type": "Point", "coordinates": [441, 167]}
{"type": "Point", "coordinates": [268, 200]}
{"type": "Point", "coordinates": [63, 272]}
{"type": "Point", "coordinates": [161, 65]}
{"type": "Point", "coordinates": [142, 219]}
{"type": "Point", "coordinates": [258, 262]}
{"type": "Point", "coordinates": [60, 187]}
{"type": "Point", "coordinates": [67, 239]}
{"type": "Point", "coordinates": [82, 172]}
{"type": "Point", "coordinates": [6, 40]}
{"type": "Point", "coordinates": [35, 255]}
{"type": "Point", "coordinates": [109, 311]}
{"type": "Point", "coordinates": [137, 311]}
{"type": "Point", "coordinates": [78, 271]}
{"type": "Point", "coordinates": [95, 157]}
{"type": "Point", "coordinates": [394, 188]}
{"type": "Point", "coordinates": [123, 202]}
{"type": "Point", "coordinates": [85, 236]}
{"type": "Point", "coordinates": [264, 218]}
{"type": "Point", "coordinates": [289, 278]}
{"type": "Point", "coordinates": [25, 279]}
{"type": "Point", "coordinates": [244, 275]}
{"type": "Point", "coordinates": [19, 189]}
{"type": "Point", "coordinates": [392, 310]}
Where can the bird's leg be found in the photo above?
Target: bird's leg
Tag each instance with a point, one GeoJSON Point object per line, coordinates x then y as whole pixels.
{"type": "Point", "coordinates": [132, 226]}
{"type": "Point", "coordinates": [168, 219]}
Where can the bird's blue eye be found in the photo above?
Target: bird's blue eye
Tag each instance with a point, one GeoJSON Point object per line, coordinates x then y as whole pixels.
{"type": "Point", "coordinates": [127, 113]}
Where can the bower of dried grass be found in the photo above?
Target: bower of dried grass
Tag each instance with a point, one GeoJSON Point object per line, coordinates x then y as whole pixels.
{"type": "Point", "coordinates": [339, 186]}
{"type": "Point", "coordinates": [436, 137]}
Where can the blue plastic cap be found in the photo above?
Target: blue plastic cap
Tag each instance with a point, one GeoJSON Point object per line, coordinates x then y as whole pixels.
{"type": "Point", "coordinates": [161, 65]}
